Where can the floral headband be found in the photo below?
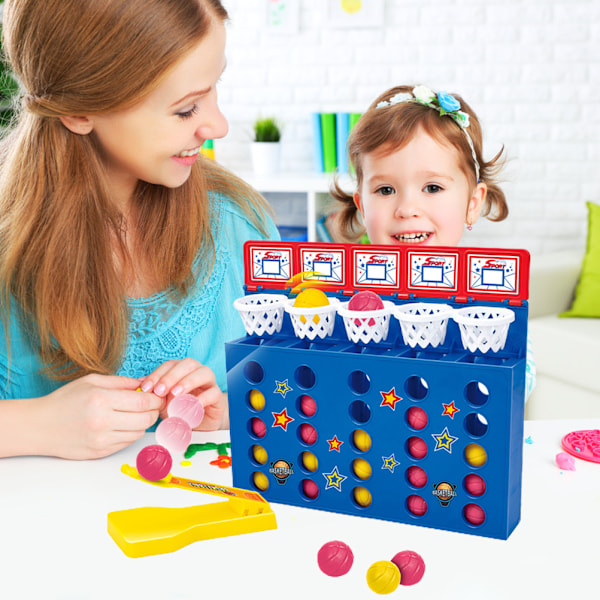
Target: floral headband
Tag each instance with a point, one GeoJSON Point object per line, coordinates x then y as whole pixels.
{"type": "Point", "coordinates": [444, 103]}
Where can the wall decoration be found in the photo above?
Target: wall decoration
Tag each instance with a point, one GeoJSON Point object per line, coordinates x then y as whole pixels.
{"type": "Point", "coordinates": [354, 13]}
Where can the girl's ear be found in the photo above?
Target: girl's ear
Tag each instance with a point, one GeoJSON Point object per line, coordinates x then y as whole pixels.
{"type": "Point", "coordinates": [358, 203]}
{"type": "Point", "coordinates": [476, 203]}
{"type": "Point", "coordinates": [78, 125]}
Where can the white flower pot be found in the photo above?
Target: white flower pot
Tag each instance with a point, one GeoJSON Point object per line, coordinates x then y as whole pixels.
{"type": "Point", "coordinates": [266, 157]}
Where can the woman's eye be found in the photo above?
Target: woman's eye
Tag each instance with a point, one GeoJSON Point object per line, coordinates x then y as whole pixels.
{"type": "Point", "coordinates": [432, 188]}
{"type": "Point", "coordinates": [385, 190]}
{"type": "Point", "coordinates": [186, 114]}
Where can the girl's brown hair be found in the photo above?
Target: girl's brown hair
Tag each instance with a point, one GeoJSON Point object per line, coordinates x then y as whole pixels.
{"type": "Point", "coordinates": [63, 255]}
{"type": "Point", "coordinates": [392, 127]}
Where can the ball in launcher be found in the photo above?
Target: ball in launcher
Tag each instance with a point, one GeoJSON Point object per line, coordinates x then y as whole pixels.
{"type": "Point", "coordinates": [474, 514]}
{"type": "Point", "coordinates": [417, 448]}
{"type": "Point", "coordinates": [259, 454]}
{"type": "Point", "coordinates": [475, 455]}
{"type": "Point", "coordinates": [411, 566]}
{"type": "Point", "coordinates": [474, 484]}
{"type": "Point", "coordinates": [416, 417]}
{"type": "Point", "coordinates": [416, 505]}
{"type": "Point", "coordinates": [361, 440]}
{"type": "Point", "coordinates": [154, 462]}
{"type": "Point", "coordinates": [362, 469]}
{"type": "Point", "coordinates": [308, 434]}
{"type": "Point", "coordinates": [308, 407]}
{"type": "Point", "coordinates": [383, 577]}
{"type": "Point", "coordinates": [365, 301]}
{"type": "Point", "coordinates": [256, 399]}
{"type": "Point", "coordinates": [174, 434]}
{"type": "Point", "coordinates": [310, 488]}
{"type": "Point", "coordinates": [362, 496]}
{"type": "Point", "coordinates": [259, 429]}
{"type": "Point", "coordinates": [416, 476]}
{"type": "Point", "coordinates": [335, 558]}
{"type": "Point", "coordinates": [188, 408]}
{"type": "Point", "coordinates": [260, 481]}
{"type": "Point", "coordinates": [311, 298]}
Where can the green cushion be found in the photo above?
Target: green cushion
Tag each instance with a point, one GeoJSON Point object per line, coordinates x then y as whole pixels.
{"type": "Point", "coordinates": [587, 293]}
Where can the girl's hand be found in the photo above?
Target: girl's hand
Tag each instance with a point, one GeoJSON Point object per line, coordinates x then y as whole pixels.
{"type": "Point", "coordinates": [91, 417]}
{"type": "Point", "coordinates": [188, 376]}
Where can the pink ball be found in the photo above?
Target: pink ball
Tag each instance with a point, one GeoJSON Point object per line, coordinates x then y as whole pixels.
{"type": "Point", "coordinates": [308, 434]}
{"type": "Point", "coordinates": [259, 429]}
{"type": "Point", "coordinates": [416, 476]}
{"type": "Point", "coordinates": [335, 558]}
{"type": "Point", "coordinates": [416, 417]}
{"type": "Point", "coordinates": [310, 488]}
{"type": "Point", "coordinates": [416, 505]}
{"type": "Point", "coordinates": [474, 484]}
{"type": "Point", "coordinates": [308, 406]}
{"type": "Point", "coordinates": [363, 301]}
{"type": "Point", "coordinates": [417, 448]}
{"type": "Point", "coordinates": [188, 408]}
{"type": "Point", "coordinates": [154, 462]}
{"type": "Point", "coordinates": [174, 434]}
{"type": "Point", "coordinates": [474, 514]}
{"type": "Point", "coordinates": [411, 567]}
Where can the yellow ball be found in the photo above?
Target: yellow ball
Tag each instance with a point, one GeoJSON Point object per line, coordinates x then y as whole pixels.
{"type": "Point", "coordinates": [383, 577]}
{"type": "Point", "coordinates": [311, 298]}
{"type": "Point", "coordinates": [260, 481]}
{"type": "Point", "coordinates": [475, 455]}
{"type": "Point", "coordinates": [362, 469]}
{"type": "Point", "coordinates": [310, 461]}
{"type": "Point", "coordinates": [362, 496]}
{"type": "Point", "coordinates": [260, 454]}
{"type": "Point", "coordinates": [257, 400]}
{"type": "Point", "coordinates": [362, 440]}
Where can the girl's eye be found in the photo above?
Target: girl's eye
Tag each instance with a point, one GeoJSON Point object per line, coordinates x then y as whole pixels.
{"type": "Point", "coordinates": [385, 190]}
{"type": "Point", "coordinates": [432, 188]}
{"type": "Point", "coordinates": [188, 113]}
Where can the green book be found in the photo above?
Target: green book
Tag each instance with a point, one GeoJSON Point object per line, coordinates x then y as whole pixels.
{"type": "Point", "coordinates": [329, 143]}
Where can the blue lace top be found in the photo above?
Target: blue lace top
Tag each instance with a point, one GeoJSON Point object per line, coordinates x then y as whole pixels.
{"type": "Point", "coordinates": [161, 328]}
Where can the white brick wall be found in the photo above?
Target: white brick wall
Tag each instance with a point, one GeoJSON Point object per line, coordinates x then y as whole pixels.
{"type": "Point", "coordinates": [529, 68]}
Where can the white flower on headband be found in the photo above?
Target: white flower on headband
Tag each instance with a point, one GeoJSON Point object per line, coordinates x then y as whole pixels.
{"type": "Point", "coordinates": [423, 94]}
{"type": "Point", "coordinates": [401, 97]}
{"type": "Point", "coordinates": [462, 118]}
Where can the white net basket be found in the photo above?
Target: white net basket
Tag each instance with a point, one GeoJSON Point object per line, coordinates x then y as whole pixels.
{"type": "Point", "coordinates": [261, 313]}
{"type": "Point", "coordinates": [423, 324]}
{"type": "Point", "coordinates": [483, 327]}
{"type": "Point", "coordinates": [366, 325]}
{"type": "Point", "coordinates": [311, 322]}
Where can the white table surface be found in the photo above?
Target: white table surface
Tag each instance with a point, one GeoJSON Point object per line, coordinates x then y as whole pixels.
{"type": "Point", "coordinates": [54, 542]}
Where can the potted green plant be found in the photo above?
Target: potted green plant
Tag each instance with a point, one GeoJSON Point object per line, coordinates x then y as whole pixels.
{"type": "Point", "coordinates": [266, 150]}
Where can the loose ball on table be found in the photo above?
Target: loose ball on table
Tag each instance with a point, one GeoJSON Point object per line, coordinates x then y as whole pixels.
{"type": "Point", "coordinates": [311, 298]}
{"type": "Point", "coordinates": [383, 577]}
{"type": "Point", "coordinates": [174, 434]}
{"type": "Point", "coordinates": [335, 558]}
{"type": "Point", "coordinates": [411, 566]}
{"type": "Point", "coordinates": [365, 301]}
{"type": "Point", "coordinates": [188, 408]}
{"type": "Point", "coordinates": [154, 462]}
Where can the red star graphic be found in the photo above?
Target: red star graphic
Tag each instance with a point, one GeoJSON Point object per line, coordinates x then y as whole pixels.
{"type": "Point", "coordinates": [450, 409]}
{"type": "Point", "coordinates": [282, 419]}
{"type": "Point", "coordinates": [390, 398]}
{"type": "Point", "coordinates": [334, 444]}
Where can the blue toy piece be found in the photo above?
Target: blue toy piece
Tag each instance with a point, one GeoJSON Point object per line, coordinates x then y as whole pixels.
{"type": "Point", "coordinates": [376, 408]}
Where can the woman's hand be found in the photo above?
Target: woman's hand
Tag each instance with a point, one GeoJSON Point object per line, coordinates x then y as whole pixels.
{"type": "Point", "coordinates": [188, 376]}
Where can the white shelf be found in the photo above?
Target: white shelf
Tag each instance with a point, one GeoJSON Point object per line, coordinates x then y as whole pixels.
{"type": "Point", "coordinates": [314, 185]}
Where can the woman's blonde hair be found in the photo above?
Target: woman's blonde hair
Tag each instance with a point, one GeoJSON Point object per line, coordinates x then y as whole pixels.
{"type": "Point", "coordinates": [393, 127]}
{"type": "Point", "coordinates": [61, 238]}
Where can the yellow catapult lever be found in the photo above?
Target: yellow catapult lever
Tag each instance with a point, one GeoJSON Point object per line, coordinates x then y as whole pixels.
{"type": "Point", "coordinates": [157, 530]}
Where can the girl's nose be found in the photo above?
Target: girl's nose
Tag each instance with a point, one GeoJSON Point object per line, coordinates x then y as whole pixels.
{"type": "Point", "coordinates": [214, 125]}
{"type": "Point", "coordinates": [406, 206]}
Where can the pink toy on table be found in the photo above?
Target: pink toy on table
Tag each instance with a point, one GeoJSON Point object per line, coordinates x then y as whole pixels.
{"type": "Point", "coordinates": [584, 444]}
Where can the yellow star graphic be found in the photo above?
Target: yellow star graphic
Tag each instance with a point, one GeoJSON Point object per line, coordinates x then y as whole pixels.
{"type": "Point", "coordinates": [390, 398]}
{"type": "Point", "coordinates": [282, 419]}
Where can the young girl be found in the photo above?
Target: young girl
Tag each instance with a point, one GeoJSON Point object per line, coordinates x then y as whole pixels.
{"type": "Point", "coordinates": [121, 247]}
{"type": "Point", "coordinates": [420, 174]}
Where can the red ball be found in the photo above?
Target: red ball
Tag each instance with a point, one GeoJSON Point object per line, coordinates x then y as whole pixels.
{"type": "Point", "coordinates": [411, 567]}
{"type": "Point", "coordinates": [417, 448]}
{"type": "Point", "coordinates": [474, 514]}
{"type": "Point", "coordinates": [259, 429]}
{"type": "Point", "coordinates": [308, 406]}
{"type": "Point", "coordinates": [363, 301]}
{"type": "Point", "coordinates": [335, 558]}
{"type": "Point", "coordinates": [154, 462]}
{"type": "Point", "coordinates": [416, 505]}
{"type": "Point", "coordinates": [416, 417]}
{"type": "Point", "coordinates": [310, 488]}
{"type": "Point", "coordinates": [416, 476]}
{"type": "Point", "coordinates": [308, 434]}
{"type": "Point", "coordinates": [474, 484]}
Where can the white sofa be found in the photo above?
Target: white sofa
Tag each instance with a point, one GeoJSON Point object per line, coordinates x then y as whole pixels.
{"type": "Point", "coordinates": [566, 350]}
